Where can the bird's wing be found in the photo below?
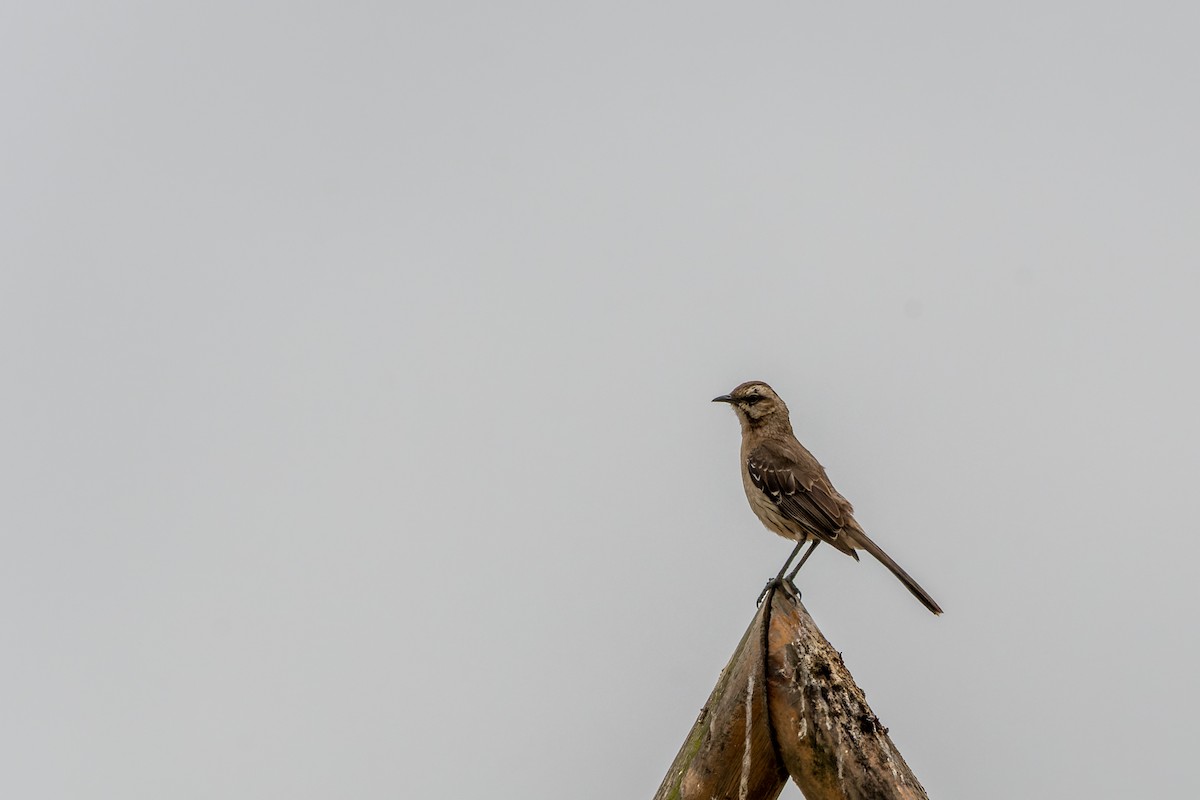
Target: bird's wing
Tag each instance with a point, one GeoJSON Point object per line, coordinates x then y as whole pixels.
{"type": "Point", "coordinates": [797, 484]}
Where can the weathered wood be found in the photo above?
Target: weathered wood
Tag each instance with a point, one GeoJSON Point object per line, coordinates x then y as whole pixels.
{"type": "Point", "coordinates": [806, 718]}
{"type": "Point", "coordinates": [834, 746]}
{"type": "Point", "coordinates": [728, 753]}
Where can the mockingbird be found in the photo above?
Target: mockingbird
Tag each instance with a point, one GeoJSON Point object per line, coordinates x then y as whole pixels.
{"type": "Point", "coordinates": [788, 488]}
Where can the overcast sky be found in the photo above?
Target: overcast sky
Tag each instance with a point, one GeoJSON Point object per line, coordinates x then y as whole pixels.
{"type": "Point", "coordinates": [355, 438]}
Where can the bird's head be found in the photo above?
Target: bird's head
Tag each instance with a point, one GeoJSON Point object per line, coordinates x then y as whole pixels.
{"type": "Point", "coordinates": [756, 404]}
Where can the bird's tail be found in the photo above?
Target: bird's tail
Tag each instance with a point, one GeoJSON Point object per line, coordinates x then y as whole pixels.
{"type": "Point", "coordinates": [861, 539]}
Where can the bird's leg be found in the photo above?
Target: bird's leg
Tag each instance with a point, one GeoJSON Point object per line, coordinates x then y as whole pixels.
{"type": "Point", "coordinates": [795, 552]}
{"type": "Point", "coordinates": [778, 579]}
{"type": "Point", "coordinates": [811, 547]}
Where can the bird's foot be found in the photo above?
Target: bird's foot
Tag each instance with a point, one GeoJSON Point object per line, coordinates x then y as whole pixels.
{"type": "Point", "coordinates": [783, 584]}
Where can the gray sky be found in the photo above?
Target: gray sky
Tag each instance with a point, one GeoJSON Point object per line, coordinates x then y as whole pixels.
{"type": "Point", "coordinates": [356, 434]}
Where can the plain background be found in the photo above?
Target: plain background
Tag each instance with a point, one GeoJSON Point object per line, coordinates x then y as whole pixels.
{"type": "Point", "coordinates": [357, 361]}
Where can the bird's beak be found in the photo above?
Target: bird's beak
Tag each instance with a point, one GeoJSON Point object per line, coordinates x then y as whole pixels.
{"type": "Point", "coordinates": [725, 398]}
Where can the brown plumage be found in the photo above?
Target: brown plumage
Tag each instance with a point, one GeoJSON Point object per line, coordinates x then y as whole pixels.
{"type": "Point", "coordinates": [788, 489]}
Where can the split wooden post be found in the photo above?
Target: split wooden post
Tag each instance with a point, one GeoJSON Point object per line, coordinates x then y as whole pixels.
{"type": "Point", "coordinates": [729, 752]}
{"type": "Point", "coordinates": [786, 705]}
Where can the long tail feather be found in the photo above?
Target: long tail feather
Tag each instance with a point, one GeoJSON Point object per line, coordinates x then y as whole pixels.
{"type": "Point", "coordinates": [914, 587]}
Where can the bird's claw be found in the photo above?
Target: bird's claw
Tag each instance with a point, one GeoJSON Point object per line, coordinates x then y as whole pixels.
{"type": "Point", "coordinates": [778, 583]}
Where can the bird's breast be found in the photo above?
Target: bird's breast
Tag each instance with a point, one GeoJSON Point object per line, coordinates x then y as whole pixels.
{"type": "Point", "coordinates": [768, 513]}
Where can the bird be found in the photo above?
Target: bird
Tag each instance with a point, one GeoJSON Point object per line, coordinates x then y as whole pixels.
{"type": "Point", "coordinates": [789, 491]}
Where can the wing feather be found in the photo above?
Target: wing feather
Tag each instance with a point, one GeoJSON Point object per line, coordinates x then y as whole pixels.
{"type": "Point", "coordinates": [796, 483]}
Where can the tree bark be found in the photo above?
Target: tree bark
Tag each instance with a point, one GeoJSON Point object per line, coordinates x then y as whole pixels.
{"type": "Point", "coordinates": [786, 705]}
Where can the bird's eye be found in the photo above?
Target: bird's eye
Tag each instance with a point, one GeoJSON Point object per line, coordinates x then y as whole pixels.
{"type": "Point", "coordinates": [752, 399]}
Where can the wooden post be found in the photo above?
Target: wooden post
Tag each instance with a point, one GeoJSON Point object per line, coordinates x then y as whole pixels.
{"type": "Point", "coordinates": [729, 752]}
{"type": "Point", "coordinates": [786, 705]}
